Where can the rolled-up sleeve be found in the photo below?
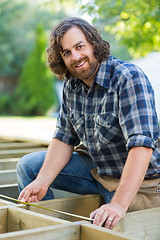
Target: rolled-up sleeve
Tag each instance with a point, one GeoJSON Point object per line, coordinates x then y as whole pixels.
{"type": "Point", "coordinates": [137, 114]}
{"type": "Point", "coordinates": [64, 130]}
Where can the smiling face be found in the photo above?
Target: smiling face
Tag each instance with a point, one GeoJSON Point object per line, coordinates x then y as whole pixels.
{"type": "Point", "coordinates": [78, 56]}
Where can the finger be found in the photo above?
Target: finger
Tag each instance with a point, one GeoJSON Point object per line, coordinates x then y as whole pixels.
{"type": "Point", "coordinates": [99, 217]}
{"type": "Point", "coordinates": [109, 221]}
{"type": "Point", "coordinates": [27, 194]}
{"type": "Point", "coordinates": [92, 214]}
{"type": "Point", "coordinates": [114, 222]}
{"type": "Point", "coordinates": [32, 198]}
{"type": "Point", "coordinates": [41, 193]}
{"type": "Point", "coordinates": [21, 195]}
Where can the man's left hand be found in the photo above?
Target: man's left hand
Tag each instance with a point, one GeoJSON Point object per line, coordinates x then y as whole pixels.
{"type": "Point", "coordinates": [108, 215]}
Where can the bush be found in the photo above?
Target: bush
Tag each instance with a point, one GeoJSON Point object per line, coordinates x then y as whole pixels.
{"type": "Point", "coordinates": [4, 103]}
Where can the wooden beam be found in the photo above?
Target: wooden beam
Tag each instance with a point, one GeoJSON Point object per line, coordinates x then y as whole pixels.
{"type": "Point", "coordinates": [7, 164]}
{"type": "Point", "coordinates": [92, 232]}
{"type": "Point", "coordinates": [19, 145]}
{"type": "Point", "coordinates": [18, 152]}
{"type": "Point", "coordinates": [80, 205]}
{"type": "Point", "coordinates": [58, 232]}
{"type": "Point", "coordinates": [144, 224]}
{"type": "Point", "coordinates": [20, 219]}
{"type": "Point", "coordinates": [8, 176]}
{"type": "Point", "coordinates": [3, 219]}
{"type": "Point", "coordinates": [5, 203]}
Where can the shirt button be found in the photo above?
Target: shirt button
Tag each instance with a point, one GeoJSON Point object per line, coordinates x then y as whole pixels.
{"type": "Point", "coordinates": [93, 151]}
{"type": "Point", "coordinates": [90, 135]}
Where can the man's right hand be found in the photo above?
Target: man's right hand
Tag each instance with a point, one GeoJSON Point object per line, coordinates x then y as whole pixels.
{"type": "Point", "coordinates": [33, 192]}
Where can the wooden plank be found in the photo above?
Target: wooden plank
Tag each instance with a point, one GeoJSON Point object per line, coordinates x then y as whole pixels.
{"type": "Point", "coordinates": [5, 141]}
{"type": "Point", "coordinates": [3, 219]}
{"type": "Point", "coordinates": [63, 232]}
{"type": "Point", "coordinates": [80, 205]}
{"type": "Point", "coordinates": [20, 219]}
{"type": "Point", "coordinates": [5, 203]}
{"type": "Point", "coordinates": [18, 152]}
{"type": "Point", "coordinates": [92, 232]}
{"type": "Point", "coordinates": [8, 176]}
{"type": "Point", "coordinates": [142, 224]}
{"type": "Point", "coordinates": [6, 164]}
{"type": "Point", "coordinates": [8, 159]}
{"type": "Point", "coordinates": [19, 145]}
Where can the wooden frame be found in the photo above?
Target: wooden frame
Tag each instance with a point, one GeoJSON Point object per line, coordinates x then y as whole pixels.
{"type": "Point", "coordinates": [92, 232]}
{"type": "Point", "coordinates": [144, 224]}
{"type": "Point", "coordinates": [19, 145]}
{"type": "Point", "coordinates": [44, 224]}
{"type": "Point", "coordinates": [7, 164]}
{"type": "Point", "coordinates": [5, 203]}
{"type": "Point", "coordinates": [18, 152]}
{"type": "Point", "coordinates": [14, 219]}
{"type": "Point", "coordinates": [8, 177]}
{"type": "Point", "coordinates": [80, 205]}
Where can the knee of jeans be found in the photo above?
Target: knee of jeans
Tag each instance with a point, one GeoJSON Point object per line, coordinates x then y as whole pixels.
{"type": "Point", "coordinates": [31, 160]}
{"type": "Point", "coordinates": [22, 162]}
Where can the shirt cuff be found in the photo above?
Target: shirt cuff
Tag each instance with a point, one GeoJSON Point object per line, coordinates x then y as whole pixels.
{"type": "Point", "coordinates": [140, 141]}
{"type": "Point", "coordinates": [65, 137]}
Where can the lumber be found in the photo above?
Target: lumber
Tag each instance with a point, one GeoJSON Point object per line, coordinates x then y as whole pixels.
{"type": "Point", "coordinates": [63, 232]}
{"type": "Point", "coordinates": [18, 152]}
{"type": "Point", "coordinates": [92, 232]}
{"type": "Point", "coordinates": [21, 219]}
{"type": "Point", "coordinates": [8, 176]}
{"type": "Point", "coordinates": [3, 219]}
{"type": "Point", "coordinates": [5, 203]}
{"type": "Point", "coordinates": [80, 205]}
{"type": "Point", "coordinates": [142, 224]}
{"type": "Point", "coordinates": [7, 164]}
{"type": "Point", "coordinates": [19, 145]}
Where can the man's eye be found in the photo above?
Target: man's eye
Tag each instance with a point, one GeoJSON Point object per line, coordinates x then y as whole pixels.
{"type": "Point", "coordinates": [66, 53]}
{"type": "Point", "coordinates": [80, 46]}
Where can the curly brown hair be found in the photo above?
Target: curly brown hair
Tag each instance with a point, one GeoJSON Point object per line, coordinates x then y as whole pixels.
{"type": "Point", "coordinates": [55, 61]}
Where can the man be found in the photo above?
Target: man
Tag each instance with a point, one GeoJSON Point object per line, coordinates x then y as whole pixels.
{"type": "Point", "coordinates": [108, 105]}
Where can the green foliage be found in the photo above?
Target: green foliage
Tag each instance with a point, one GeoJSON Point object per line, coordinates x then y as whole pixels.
{"type": "Point", "coordinates": [134, 23]}
{"type": "Point", "coordinates": [5, 100]}
{"type": "Point", "coordinates": [117, 50]}
{"type": "Point", "coordinates": [19, 53]}
{"type": "Point", "coordinates": [18, 20]}
{"type": "Point", "coordinates": [35, 93]}
{"type": "Point", "coordinates": [10, 40]}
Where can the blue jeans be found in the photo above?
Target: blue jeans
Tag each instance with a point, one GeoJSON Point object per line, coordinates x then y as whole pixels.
{"type": "Point", "coordinates": [75, 177]}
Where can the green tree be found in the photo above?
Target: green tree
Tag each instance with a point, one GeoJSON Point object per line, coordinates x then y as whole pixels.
{"type": "Point", "coordinates": [12, 42]}
{"type": "Point", "coordinates": [35, 93]}
{"type": "Point", "coordinates": [18, 20]}
{"type": "Point", "coordinates": [134, 23]}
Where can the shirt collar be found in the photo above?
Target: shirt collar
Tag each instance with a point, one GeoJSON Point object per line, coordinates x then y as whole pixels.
{"type": "Point", "coordinates": [104, 73]}
{"type": "Point", "coordinates": [102, 78]}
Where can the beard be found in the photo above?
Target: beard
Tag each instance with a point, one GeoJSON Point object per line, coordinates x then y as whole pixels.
{"type": "Point", "coordinates": [87, 72]}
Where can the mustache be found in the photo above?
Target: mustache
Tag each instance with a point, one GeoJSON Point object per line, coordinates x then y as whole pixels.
{"type": "Point", "coordinates": [75, 63]}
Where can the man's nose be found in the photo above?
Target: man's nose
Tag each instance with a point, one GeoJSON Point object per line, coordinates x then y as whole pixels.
{"type": "Point", "coordinates": [75, 56]}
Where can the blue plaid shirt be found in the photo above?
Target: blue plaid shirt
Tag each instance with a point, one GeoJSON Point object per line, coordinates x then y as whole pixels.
{"type": "Point", "coordinates": [116, 114]}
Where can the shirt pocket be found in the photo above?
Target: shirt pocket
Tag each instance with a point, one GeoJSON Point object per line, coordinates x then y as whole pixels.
{"type": "Point", "coordinates": [78, 125]}
{"type": "Point", "coordinates": [107, 128]}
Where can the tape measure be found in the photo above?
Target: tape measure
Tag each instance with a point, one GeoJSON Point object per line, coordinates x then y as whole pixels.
{"type": "Point", "coordinates": [48, 209]}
